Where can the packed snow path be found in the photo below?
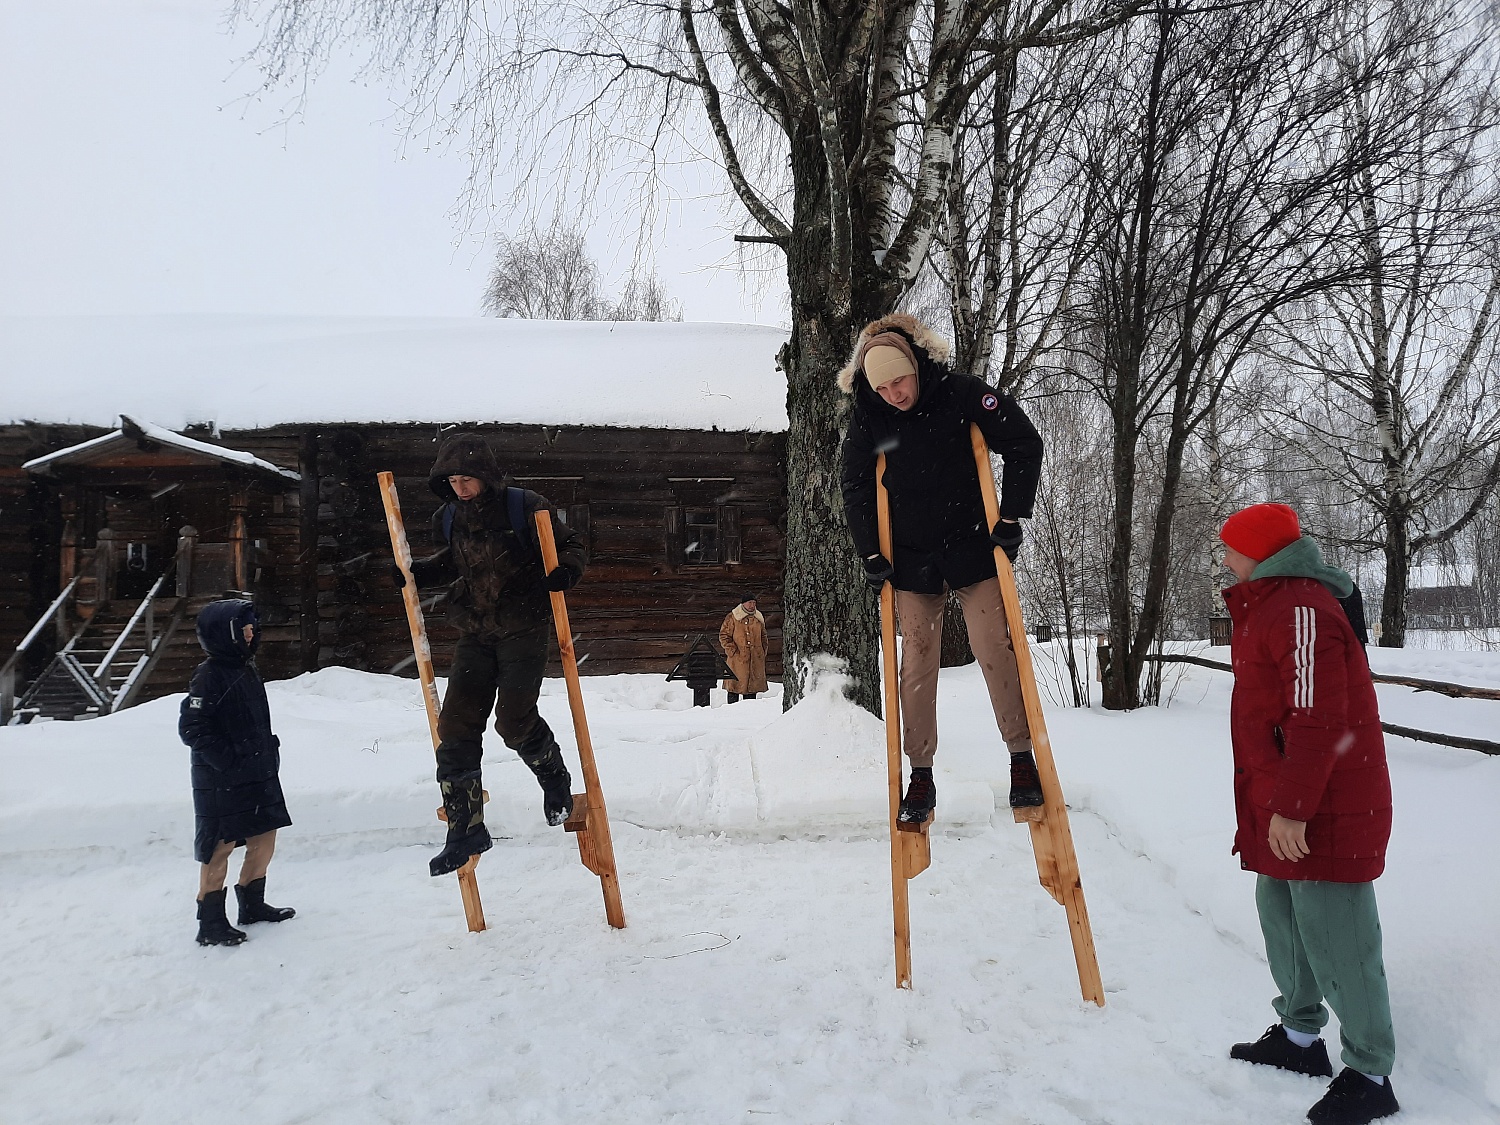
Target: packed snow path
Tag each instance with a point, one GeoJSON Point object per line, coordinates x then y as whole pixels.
{"type": "Point", "coordinates": [754, 983]}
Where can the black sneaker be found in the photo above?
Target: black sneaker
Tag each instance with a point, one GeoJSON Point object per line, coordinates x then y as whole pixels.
{"type": "Point", "coordinates": [920, 799]}
{"type": "Point", "coordinates": [1275, 1049]}
{"type": "Point", "coordinates": [1353, 1099]}
{"type": "Point", "coordinates": [1025, 782]}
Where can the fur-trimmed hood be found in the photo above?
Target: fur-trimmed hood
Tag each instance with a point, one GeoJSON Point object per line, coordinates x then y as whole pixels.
{"type": "Point", "coordinates": [921, 336]}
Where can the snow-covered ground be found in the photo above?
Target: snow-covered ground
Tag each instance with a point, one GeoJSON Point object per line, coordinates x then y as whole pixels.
{"type": "Point", "coordinates": [754, 982]}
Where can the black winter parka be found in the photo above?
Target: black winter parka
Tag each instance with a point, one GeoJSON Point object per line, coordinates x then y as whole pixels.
{"type": "Point", "coordinates": [226, 722]}
{"type": "Point", "coordinates": [938, 523]}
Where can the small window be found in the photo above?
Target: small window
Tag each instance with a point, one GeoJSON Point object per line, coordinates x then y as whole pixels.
{"type": "Point", "coordinates": [704, 544]}
{"type": "Point", "coordinates": [702, 535]}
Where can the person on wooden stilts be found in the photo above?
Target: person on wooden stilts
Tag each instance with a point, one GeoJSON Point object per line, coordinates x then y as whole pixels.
{"type": "Point", "coordinates": [498, 597]}
{"type": "Point", "coordinates": [909, 404]}
{"type": "Point", "coordinates": [1312, 796]}
{"type": "Point", "coordinates": [236, 763]}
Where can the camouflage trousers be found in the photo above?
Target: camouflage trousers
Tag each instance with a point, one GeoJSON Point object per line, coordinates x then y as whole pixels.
{"type": "Point", "coordinates": [505, 677]}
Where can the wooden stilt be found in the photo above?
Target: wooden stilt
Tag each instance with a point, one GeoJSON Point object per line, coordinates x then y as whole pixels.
{"type": "Point", "coordinates": [595, 848]}
{"type": "Point", "coordinates": [1051, 838]}
{"type": "Point", "coordinates": [468, 886]}
{"type": "Point", "coordinates": [910, 846]}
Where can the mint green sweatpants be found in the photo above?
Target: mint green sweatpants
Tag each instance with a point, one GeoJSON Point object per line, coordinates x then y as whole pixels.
{"type": "Point", "coordinates": [1323, 942]}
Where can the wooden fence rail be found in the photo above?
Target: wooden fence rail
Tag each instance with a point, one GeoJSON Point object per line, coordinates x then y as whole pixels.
{"type": "Point", "coordinates": [1457, 691]}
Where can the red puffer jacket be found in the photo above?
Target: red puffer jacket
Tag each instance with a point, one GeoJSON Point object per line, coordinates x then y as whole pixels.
{"type": "Point", "coordinates": [1306, 732]}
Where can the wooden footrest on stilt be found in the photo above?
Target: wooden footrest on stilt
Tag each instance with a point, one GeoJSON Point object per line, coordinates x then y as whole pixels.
{"type": "Point", "coordinates": [578, 819]}
{"type": "Point", "coordinates": [443, 813]}
{"type": "Point", "coordinates": [1036, 814]}
{"type": "Point", "coordinates": [916, 846]}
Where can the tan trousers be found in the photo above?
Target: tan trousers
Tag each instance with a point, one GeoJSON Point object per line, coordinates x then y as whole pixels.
{"type": "Point", "coordinates": [921, 619]}
{"type": "Point", "coordinates": [258, 853]}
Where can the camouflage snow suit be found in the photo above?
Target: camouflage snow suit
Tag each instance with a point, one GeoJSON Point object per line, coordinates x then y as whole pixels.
{"type": "Point", "coordinates": [499, 601]}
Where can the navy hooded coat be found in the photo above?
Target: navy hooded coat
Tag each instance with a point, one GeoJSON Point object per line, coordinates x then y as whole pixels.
{"type": "Point", "coordinates": [227, 724]}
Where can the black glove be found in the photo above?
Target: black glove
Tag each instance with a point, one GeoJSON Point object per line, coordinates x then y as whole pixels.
{"type": "Point", "coordinates": [559, 578]}
{"type": "Point", "coordinates": [878, 572]}
{"type": "Point", "coordinates": [398, 577]}
{"type": "Point", "coordinates": [1007, 536]}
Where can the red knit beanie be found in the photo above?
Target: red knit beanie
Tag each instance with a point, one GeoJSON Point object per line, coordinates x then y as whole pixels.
{"type": "Point", "coordinates": [1261, 530]}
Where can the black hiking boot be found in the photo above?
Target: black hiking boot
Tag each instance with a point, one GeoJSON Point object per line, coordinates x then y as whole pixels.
{"type": "Point", "coordinates": [253, 908]}
{"type": "Point", "coordinates": [213, 926]}
{"type": "Point", "coordinates": [463, 802]}
{"type": "Point", "coordinates": [1275, 1049]}
{"type": "Point", "coordinates": [1353, 1099]}
{"type": "Point", "coordinates": [921, 797]}
{"type": "Point", "coordinates": [1025, 782]}
{"type": "Point", "coordinates": [546, 761]}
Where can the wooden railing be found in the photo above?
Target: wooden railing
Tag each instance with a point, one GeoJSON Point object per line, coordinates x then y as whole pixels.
{"type": "Point", "coordinates": [56, 613]}
{"type": "Point", "coordinates": [144, 616]}
{"type": "Point", "coordinates": [1457, 691]}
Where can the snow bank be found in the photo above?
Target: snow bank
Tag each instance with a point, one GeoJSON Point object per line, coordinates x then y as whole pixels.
{"type": "Point", "coordinates": [754, 981]}
{"type": "Point", "coordinates": [249, 372]}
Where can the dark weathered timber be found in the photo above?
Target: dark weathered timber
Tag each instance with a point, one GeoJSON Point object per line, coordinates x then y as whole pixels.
{"type": "Point", "coordinates": [319, 554]}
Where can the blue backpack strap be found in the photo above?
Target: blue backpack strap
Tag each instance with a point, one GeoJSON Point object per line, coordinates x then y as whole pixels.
{"type": "Point", "coordinates": [515, 505]}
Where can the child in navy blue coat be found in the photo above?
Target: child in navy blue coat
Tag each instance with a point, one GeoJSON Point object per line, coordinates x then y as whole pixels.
{"type": "Point", "coordinates": [235, 767]}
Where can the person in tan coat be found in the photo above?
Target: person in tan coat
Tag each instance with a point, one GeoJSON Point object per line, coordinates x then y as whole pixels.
{"type": "Point", "coordinates": [743, 638]}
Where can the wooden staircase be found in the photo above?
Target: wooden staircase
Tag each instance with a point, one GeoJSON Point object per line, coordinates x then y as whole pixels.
{"type": "Point", "coordinates": [98, 673]}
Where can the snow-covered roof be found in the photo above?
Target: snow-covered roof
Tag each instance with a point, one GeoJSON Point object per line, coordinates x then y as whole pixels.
{"type": "Point", "coordinates": [250, 372]}
{"type": "Point", "coordinates": [132, 431]}
{"type": "Point", "coordinates": [1426, 575]}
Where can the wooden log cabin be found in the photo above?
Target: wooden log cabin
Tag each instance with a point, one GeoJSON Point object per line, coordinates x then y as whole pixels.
{"type": "Point", "coordinates": [134, 487]}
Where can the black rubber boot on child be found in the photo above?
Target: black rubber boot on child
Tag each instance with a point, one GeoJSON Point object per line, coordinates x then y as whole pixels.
{"type": "Point", "coordinates": [921, 797]}
{"type": "Point", "coordinates": [463, 802]}
{"type": "Point", "coordinates": [1353, 1099]}
{"type": "Point", "coordinates": [253, 908]}
{"type": "Point", "coordinates": [1025, 782]}
{"type": "Point", "coordinates": [1275, 1049]}
{"type": "Point", "coordinates": [213, 926]}
{"type": "Point", "coordinates": [546, 761]}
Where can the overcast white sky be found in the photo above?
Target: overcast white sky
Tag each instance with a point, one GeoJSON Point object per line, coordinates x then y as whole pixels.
{"type": "Point", "coordinates": [138, 180]}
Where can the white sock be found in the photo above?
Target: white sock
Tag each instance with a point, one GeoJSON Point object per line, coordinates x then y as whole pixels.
{"type": "Point", "coordinates": [1300, 1038]}
{"type": "Point", "coordinates": [1378, 1079]}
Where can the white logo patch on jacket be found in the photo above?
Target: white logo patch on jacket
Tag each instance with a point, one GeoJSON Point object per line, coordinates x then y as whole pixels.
{"type": "Point", "coordinates": [1305, 636]}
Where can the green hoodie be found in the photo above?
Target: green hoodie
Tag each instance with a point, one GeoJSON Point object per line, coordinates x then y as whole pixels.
{"type": "Point", "coordinates": [1303, 559]}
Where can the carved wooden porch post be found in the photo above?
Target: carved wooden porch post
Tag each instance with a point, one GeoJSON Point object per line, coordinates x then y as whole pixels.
{"type": "Point", "coordinates": [187, 542]}
{"type": "Point", "coordinates": [238, 548]}
{"type": "Point", "coordinates": [104, 566]}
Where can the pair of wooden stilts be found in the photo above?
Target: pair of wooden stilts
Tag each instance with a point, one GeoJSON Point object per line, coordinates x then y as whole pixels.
{"type": "Point", "coordinates": [1051, 838]}
{"type": "Point", "coordinates": [590, 820]}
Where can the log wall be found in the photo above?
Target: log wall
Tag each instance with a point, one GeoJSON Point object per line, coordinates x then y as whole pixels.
{"type": "Point", "coordinates": [320, 573]}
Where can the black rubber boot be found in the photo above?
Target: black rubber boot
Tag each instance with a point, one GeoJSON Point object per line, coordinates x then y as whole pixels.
{"type": "Point", "coordinates": [463, 801]}
{"type": "Point", "coordinates": [1352, 1099]}
{"type": "Point", "coordinates": [253, 908]}
{"type": "Point", "coordinates": [546, 761]}
{"type": "Point", "coordinates": [213, 926]}
{"type": "Point", "coordinates": [1275, 1049]}
{"type": "Point", "coordinates": [1025, 782]}
{"type": "Point", "coordinates": [921, 796]}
